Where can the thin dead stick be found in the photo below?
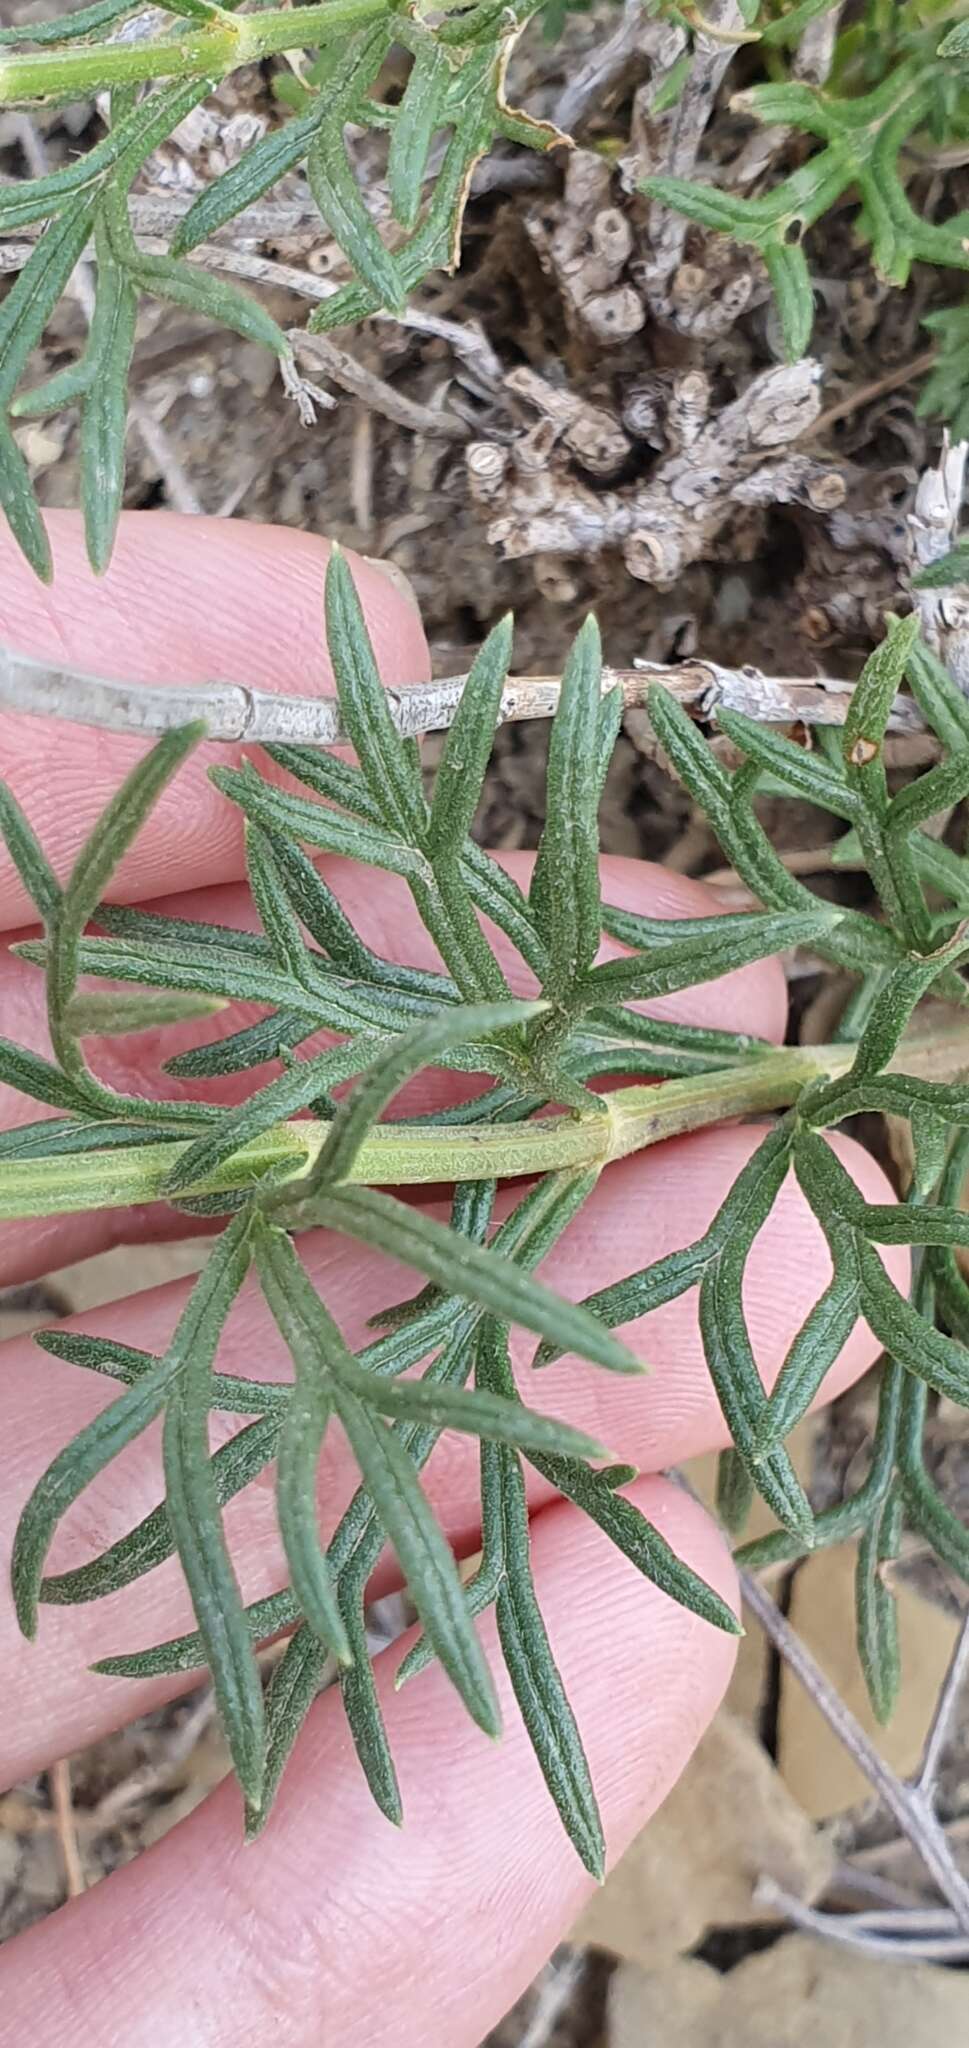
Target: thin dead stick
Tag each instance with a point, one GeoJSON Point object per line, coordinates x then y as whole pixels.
{"type": "Point", "coordinates": [899, 1937]}
{"type": "Point", "coordinates": [373, 392]}
{"type": "Point", "coordinates": [151, 1779]}
{"type": "Point", "coordinates": [62, 1801]}
{"type": "Point", "coordinates": [946, 1707]}
{"type": "Point", "coordinates": [905, 1803]}
{"type": "Point", "coordinates": [555, 1988]}
{"type": "Point", "coordinates": [864, 394]}
{"type": "Point", "coordinates": [467, 341]}
{"type": "Point", "coordinates": [233, 712]}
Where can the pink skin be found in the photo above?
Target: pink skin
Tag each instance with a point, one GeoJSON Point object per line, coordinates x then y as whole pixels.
{"type": "Point", "coordinates": [334, 1927]}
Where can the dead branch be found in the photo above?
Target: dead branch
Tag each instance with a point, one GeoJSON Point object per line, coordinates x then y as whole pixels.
{"type": "Point", "coordinates": [914, 1815]}
{"type": "Point", "coordinates": [684, 132]}
{"type": "Point", "coordinates": [375, 393]}
{"type": "Point", "coordinates": [933, 528]}
{"type": "Point", "coordinates": [234, 713]}
{"type": "Point", "coordinates": [537, 506]}
{"type": "Point", "coordinates": [583, 242]}
{"type": "Point", "coordinates": [636, 41]}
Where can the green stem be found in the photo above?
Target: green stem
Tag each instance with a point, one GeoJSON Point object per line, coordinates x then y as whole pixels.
{"type": "Point", "coordinates": [412, 1155]}
{"type": "Point", "coordinates": [208, 52]}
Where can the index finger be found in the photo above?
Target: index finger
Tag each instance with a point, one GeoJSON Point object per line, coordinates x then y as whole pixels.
{"type": "Point", "coordinates": [185, 601]}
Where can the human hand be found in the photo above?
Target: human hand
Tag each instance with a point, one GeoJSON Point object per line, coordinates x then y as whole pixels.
{"type": "Point", "coordinates": [333, 1927]}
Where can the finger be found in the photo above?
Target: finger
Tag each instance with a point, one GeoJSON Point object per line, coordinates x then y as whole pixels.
{"type": "Point", "coordinates": [751, 999]}
{"type": "Point", "coordinates": [334, 1927]}
{"type": "Point", "coordinates": [642, 1209]}
{"type": "Point", "coordinates": [184, 601]}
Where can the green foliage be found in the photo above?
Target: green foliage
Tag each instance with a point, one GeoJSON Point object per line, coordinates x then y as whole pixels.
{"type": "Point", "coordinates": [455, 89]}
{"type": "Point", "coordinates": [897, 79]}
{"type": "Point", "coordinates": [290, 1157]}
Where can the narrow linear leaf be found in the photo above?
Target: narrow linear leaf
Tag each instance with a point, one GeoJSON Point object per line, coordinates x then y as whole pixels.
{"type": "Point", "coordinates": [193, 1508]}
{"type": "Point", "coordinates": [628, 1528]}
{"type": "Point", "coordinates": [213, 298]}
{"type": "Point", "coordinates": [871, 701]}
{"type": "Point", "coordinates": [938, 696]}
{"type": "Point", "coordinates": [506, 1564]}
{"type": "Point", "coordinates": [387, 767]}
{"type": "Point", "coordinates": [818, 1344]}
{"type": "Point", "coordinates": [804, 772]}
{"type": "Point", "coordinates": [365, 1719]}
{"type": "Point", "coordinates": [105, 414]}
{"type": "Point", "coordinates": [743, 937]}
{"type": "Point", "coordinates": [942, 1362]}
{"type": "Point", "coordinates": [118, 825]}
{"type": "Point", "coordinates": [264, 1618]}
{"type": "Point", "coordinates": [425, 1556]}
{"type": "Point", "coordinates": [276, 915]}
{"type": "Point", "coordinates": [67, 387]}
{"type": "Point", "coordinates": [317, 824]}
{"type": "Point", "coordinates": [564, 893]}
{"type": "Point", "coordinates": [28, 856]}
{"type": "Point", "coordinates": [123, 1362]}
{"type": "Point", "coordinates": [625, 1301]}
{"type": "Point", "coordinates": [66, 1478]}
{"type": "Point", "coordinates": [235, 1465]}
{"type": "Point", "coordinates": [81, 21]}
{"type": "Point", "coordinates": [422, 110]}
{"type": "Point", "coordinates": [39, 1078]}
{"type": "Point", "coordinates": [67, 1137]}
{"type": "Point", "coordinates": [468, 744]}
{"type": "Point", "coordinates": [877, 1609]}
{"type": "Point", "coordinates": [300, 1444]}
{"type": "Point", "coordinates": [735, 1492]}
{"type": "Point", "coordinates": [344, 210]}
{"type": "Point", "coordinates": [103, 1016]}
{"type": "Point", "coordinates": [297, 1089]}
{"type": "Point", "coordinates": [317, 908]}
{"type": "Point", "coordinates": [293, 1686]}
{"type": "Point", "coordinates": [733, 1370]}
{"type": "Point", "coordinates": [537, 1685]}
{"type": "Point", "coordinates": [788, 272]}
{"type": "Point", "coordinates": [19, 504]}
{"type": "Point", "coordinates": [30, 301]}
{"type": "Point", "coordinates": [483, 1414]}
{"type": "Point", "coordinates": [256, 172]}
{"type": "Point", "coordinates": [479, 1275]}
{"type": "Point", "coordinates": [242, 1050]}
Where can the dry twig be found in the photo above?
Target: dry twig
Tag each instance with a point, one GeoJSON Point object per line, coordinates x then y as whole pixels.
{"type": "Point", "coordinates": [353, 375]}
{"type": "Point", "coordinates": [59, 1779]}
{"type": "Point", "coordinates": [712, 53]}
{"type": "Point", "coordinates": [913, 1812]}
{"type": "Point", "coordinates": [233, 712]}
{"type": "Point", "coordinates": [554, 1989]}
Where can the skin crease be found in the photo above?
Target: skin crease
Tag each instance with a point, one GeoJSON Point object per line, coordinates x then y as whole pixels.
{"type": "Point", "coordinates": [335, 1928]}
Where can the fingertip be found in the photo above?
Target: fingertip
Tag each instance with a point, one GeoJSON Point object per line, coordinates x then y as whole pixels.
{"type": "Point", "coordinates": [184, 602]}
{"type": "Point", "coordinates": [199, 600]}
